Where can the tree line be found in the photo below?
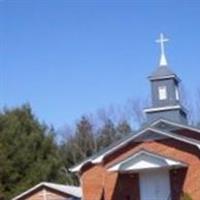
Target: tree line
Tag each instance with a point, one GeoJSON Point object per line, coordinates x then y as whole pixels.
{"type": "Point", "coordinates": [30, 151]}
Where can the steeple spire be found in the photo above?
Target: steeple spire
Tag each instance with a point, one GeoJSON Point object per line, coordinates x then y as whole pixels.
{"type": "Point", "coordinates": [162, 40]}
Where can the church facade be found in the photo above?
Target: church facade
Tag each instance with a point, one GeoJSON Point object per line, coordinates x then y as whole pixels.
{"type": "Point", "coordinates": [160, 162]}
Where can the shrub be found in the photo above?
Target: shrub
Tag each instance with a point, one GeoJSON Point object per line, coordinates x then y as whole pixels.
{"type": "Point", "coordinates": [186, 196]}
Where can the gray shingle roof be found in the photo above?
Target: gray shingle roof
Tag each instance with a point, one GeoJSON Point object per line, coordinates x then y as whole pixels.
{"type": "Point", "coordinates": [162, 71]}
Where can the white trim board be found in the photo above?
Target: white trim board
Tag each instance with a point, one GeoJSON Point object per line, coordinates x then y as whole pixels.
{"type": "Point", "coordinates": [145, 160]}
{"type": "Point", "coordinates": [164, 108]}
{"type": "Point", "coordinates": [163, 77]}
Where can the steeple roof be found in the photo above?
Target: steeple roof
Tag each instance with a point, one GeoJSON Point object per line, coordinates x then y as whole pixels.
{"type": "Point", "coordinates": [162, 72]}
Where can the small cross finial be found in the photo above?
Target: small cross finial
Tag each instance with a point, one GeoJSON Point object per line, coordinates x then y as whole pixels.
{"type": "Point", "coordinates": [162, 40]}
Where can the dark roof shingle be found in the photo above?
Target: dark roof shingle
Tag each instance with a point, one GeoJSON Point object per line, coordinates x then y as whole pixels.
{"type": "Point", "coordinates": [162, 71]}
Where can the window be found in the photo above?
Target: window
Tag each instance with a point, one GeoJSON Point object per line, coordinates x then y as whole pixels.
{"type": "Point", "coordinates": [162, 91]}
{"type": "Point", "coordinates": [177, 93]}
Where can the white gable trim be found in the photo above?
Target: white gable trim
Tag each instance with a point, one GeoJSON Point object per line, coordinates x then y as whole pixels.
{"type": "Point", "coordinates": [163, 77]}
{"type": "Point", "coordinates": [70, 190]}
{"type": "Point", "coordinates": [158, 109]}
{"type": "Point", "coordinates": [100, 158]}
{"type": "Point", "coordinates": [78, 167]}
{"type": "Point", "coordinates": [137, 162]}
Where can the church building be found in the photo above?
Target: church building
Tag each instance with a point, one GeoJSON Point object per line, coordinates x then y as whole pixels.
{"type": "Point", "coordinates": [160, 162]}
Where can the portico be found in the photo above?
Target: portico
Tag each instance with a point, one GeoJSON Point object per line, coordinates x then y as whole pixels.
{"type": "Point", "coordinates": [153, 172]}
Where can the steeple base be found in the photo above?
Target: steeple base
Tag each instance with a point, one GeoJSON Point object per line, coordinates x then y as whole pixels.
{"type": "Point", "coordinates": [172, 113]}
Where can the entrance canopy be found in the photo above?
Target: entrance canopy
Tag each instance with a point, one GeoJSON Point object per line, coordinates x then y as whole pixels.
{"type": "Point", "coordinates": [145, 160]}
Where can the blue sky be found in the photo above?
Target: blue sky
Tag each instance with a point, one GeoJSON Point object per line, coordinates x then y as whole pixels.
{"type": "Point", "coordinates": [70, 57]}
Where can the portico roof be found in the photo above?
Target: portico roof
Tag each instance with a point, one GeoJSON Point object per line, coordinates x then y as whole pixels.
{"type": "Point", "coordinates": [145, 160]}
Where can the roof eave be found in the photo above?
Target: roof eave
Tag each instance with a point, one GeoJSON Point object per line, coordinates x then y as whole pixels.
{"type": "Point", "coordinates": [154, 78]}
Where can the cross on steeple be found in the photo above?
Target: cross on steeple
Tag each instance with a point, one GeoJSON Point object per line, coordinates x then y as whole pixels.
{"type": "Point", "coordinates": [162, 40]}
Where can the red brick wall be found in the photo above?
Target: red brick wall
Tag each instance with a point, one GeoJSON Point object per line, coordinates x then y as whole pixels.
{"type": "Point", "coordinates": [127, 187]}
{"type": "Point", "coordinates": [96, 182]}
{"type": "Point", "coordinates": [95, 178]}
{"type": "Point", "coordinates": [93, 182]}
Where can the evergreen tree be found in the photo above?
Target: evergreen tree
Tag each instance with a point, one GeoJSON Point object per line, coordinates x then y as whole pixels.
{"type": "Point", "coordinates": [28, 152]}
{"type": "Point", "coordinates": [107, 134]}
{"type": "Point", "coordinates": [79, 145]}
{"type": "Point", "coordinates": [123, 129]}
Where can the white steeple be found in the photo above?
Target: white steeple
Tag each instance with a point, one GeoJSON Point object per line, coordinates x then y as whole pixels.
{"type": "Point", "coordinates": [162, 40]}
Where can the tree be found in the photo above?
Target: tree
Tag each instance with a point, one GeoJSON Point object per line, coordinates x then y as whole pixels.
{"type": "Point", "coordinates": [124, 128]}
{"type": "Point", "coordinates": [28, 152]}
{"type": "Point", "coordinates": [134, 108]}
{"type": "Point", "coordinates": [107, 134]}
{"type": "Point", "coordinates": [197, 109]}
{"type": "Point", "coordinates": [84, 141]}
{"type": "Point", "coordinates": [79, 144]}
